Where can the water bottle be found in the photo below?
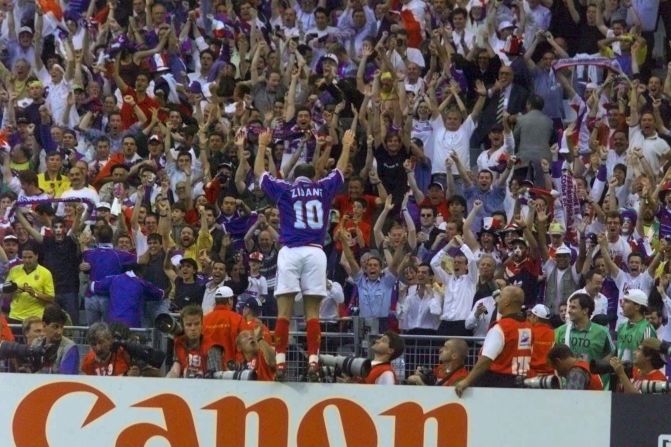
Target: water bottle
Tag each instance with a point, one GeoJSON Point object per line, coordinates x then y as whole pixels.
{"type": "Point", "coordinates": [399, 368]}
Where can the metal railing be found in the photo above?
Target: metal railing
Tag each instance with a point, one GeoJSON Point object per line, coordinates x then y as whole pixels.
{"type": "Point", "coordinates": [346, 337]}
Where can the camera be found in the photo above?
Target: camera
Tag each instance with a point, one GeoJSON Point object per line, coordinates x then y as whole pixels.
{"type": "Point", "coordinates": [169, 325]}
{"type": "Point", "coordinates": [542, 383]}
{"type": "Point", "coordinates": [37, 356]}
{"type": "Point", "coordinates": [426, 375]}
{"type": "Point", "coordinates": [336, 365]}
{"type": "Point", "coordinates": [240, 374]}
{"type": "Point", "coordinates": [141, 354]}
{"type": "Point", "coordinates": [8, 287]}
{"type": "Point", "coordinates": [603, 367]}
{"type": "Point", "coordinates": [654, 386]}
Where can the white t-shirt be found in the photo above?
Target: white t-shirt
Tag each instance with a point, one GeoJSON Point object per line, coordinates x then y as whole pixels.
{"type": "Point", "coordinates": [445, 141]}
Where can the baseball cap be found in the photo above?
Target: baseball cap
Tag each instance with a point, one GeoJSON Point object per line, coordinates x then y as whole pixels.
{"type": "Point", "coordinates": [104, 205]}
{"type": "Point", "coordinates": [556, 228]}
{"type": "Point", "coordinates": [256, 256]}
{"type": "Point", "coordinates": [10, 237]}
{"type": "Point", "coordinates": [636, 296]}
{"type": "Point", "coordinates": [224, 292]}
{"type": "Point", "coordinates": [192, 262]}
{"type": "Point", "coordinates": [541, 311]}
{"type": "Point", "coordinates": [438, 184]}
{"type": "Point", "coordinates": [520, 240]}
{"type": "Point", "coordinates": [332, 57]}
{"type": "Point", "coordinates": [154, 139]}
{"type": "Point", "coordinates": [196, 88]}
{"type": "Point", "coordinates": [506, 24]}
{"type": "Point", "coordinates": [563, 250]}
{"type": "Point", "coordinates": [26, 29]}
{"type": "Point", "coordinates": [252, 304]}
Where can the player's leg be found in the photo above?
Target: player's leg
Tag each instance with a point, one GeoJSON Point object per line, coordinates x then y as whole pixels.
{"type": "Point", "coordinates": [313, 286]}
{"type": "Point", "coordinates": [288, 285]}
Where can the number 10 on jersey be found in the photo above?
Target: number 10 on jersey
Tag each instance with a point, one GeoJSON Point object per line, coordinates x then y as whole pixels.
{"type": "Point", "coordinates": [309, 214]}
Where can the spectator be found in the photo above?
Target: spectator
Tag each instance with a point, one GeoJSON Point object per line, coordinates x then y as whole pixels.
{"type": "Point", "coordinates": [459, 288]}
{"type": "Point", "coordinates": [415, 308]}
{"type": "Point", "coordinates": [35, 287]}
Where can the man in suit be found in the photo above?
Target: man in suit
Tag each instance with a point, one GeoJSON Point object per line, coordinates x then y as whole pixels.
{"type": "Point", "coordinates": [533, 133]}
{"type": "Point", "coordinates": [503, 96]}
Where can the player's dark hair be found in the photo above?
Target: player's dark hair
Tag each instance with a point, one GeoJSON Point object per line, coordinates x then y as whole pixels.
{"type": "Point", "coordinates": [305, 170]}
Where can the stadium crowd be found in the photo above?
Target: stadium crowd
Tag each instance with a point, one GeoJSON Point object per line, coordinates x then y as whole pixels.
{"type": "Point", "coordinates": [501, 154]}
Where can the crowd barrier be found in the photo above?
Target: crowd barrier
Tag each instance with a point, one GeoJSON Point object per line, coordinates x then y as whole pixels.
{"type": "Point", "coordinates": [62, 411]}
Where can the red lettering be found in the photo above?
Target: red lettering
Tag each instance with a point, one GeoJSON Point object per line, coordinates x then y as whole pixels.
{"type": "Point", "coordinates": [410, 418]}
{"type": "Point", "coordinates": [358, 427]}
{"type": "Point", "coordinates": [179, 427]}
{"type": "Point", "coordinates": [232, 415]}
{"type": "Point", "coordinates": [29, 425]}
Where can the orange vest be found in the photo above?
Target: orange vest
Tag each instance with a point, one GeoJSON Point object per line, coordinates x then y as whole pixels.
{"type": "Point", "coordinates": [544, 339]}
{"type": "Point", "coordinates": [515, 357]}
{"type": "Point", "coordinates": [223, 325]}
{"type": "Point", "coordinates": [193, 361]}
{"type": "Point", "coordinates": [377, 370]}
{"type": "Point", "coordinates": [595, 383]}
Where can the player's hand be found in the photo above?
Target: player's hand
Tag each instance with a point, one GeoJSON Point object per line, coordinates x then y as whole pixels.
{"type": "Point", "coordinates": [348, 139]}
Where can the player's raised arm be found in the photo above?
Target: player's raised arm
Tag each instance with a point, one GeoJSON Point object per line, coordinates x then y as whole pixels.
{"type": "Point", "coordinates": [347, 141]}
{"type": "Point", "coordinates": [259, 162]}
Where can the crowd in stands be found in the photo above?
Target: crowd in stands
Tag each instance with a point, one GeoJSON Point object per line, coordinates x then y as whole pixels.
{"type": "Point", "coordinates": [495, 143]}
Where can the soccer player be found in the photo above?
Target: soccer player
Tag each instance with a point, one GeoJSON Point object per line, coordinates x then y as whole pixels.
{"type": "Point", "coordinates": [304, 206]}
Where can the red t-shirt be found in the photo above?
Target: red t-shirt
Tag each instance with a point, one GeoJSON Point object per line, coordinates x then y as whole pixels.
{"type": "Point", "coordinates": [128, 117]}
{"type": "Point", "coordinates": [264, 372]}
{"type": "Point", "coordinates": [117, 365]}
{"type": "Point", "coordinates": [343, 203]}
{"type": "Point", "coordinates": [222, 326]}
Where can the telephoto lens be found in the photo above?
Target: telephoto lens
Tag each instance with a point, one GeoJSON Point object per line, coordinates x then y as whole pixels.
{"type": "Point", "coordinates": [169, 325]}
{"type": "Point", "coordinates": [350, 365]}
{"type": "Point", "coordinates": [542, 383]}
{"type": "Point", "coordinates": [654, 387]}
{"type": "Point", "coordinates": [241, 374]}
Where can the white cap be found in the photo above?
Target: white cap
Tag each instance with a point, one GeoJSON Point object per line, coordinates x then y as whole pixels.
{"type": "Point", "coordinates": [506, 24]}
{"type": "Point", "coordinates": [224, 292]}
{"type": "Point", "coordinates": [541, 311]}
{"type": "Point", "coordinates": [104, 205]}
{"type": "Point", "coordinates": [331, 56]}
{"type": "Point", "coordinates": [636, 296]}
{"type": "Point", "coordinates": [563, 250]}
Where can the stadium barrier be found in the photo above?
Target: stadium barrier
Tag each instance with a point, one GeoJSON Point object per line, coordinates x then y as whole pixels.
{"type": "Point", "coordinates": [63, 411]}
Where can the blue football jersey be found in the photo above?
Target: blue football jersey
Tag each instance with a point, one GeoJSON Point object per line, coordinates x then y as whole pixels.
{"type": "Point", "coordinates": [304, 206]}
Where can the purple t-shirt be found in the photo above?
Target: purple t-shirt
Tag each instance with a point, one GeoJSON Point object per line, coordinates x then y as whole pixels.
{"type": "Point", "coordinates": [304, 206]}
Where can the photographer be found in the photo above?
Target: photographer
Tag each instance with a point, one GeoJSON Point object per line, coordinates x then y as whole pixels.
{"type": "Point", "coordinates": [544, 338]}
{"type": "Point", "coordinates": [67, 354]}
{"type": "Point", "coordinates": [647, 364]}
{"type": "Point", "coordinates": [222, 325]}
{"type": "Point", "coordinates": [452, 366]}
{"type": "Point", "coordinates": [258, 354]}
{"type": "Point", "coordinates": [385, 349]}
{"type": "Point", "coordinates": [102, 359]}
{"type": "Point", "coordinates": [577, 372]}
{"type": "Point", "coordinates": [196, 355]}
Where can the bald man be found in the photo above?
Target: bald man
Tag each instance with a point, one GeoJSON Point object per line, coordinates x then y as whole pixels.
{"type": "Point", "coordinates": [506, 352]}
{"type": "Point", "coordinates": [452, 360]}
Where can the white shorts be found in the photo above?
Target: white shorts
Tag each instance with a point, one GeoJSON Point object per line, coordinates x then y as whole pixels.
{"type": "Point", "coordinates": [301, 269]}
